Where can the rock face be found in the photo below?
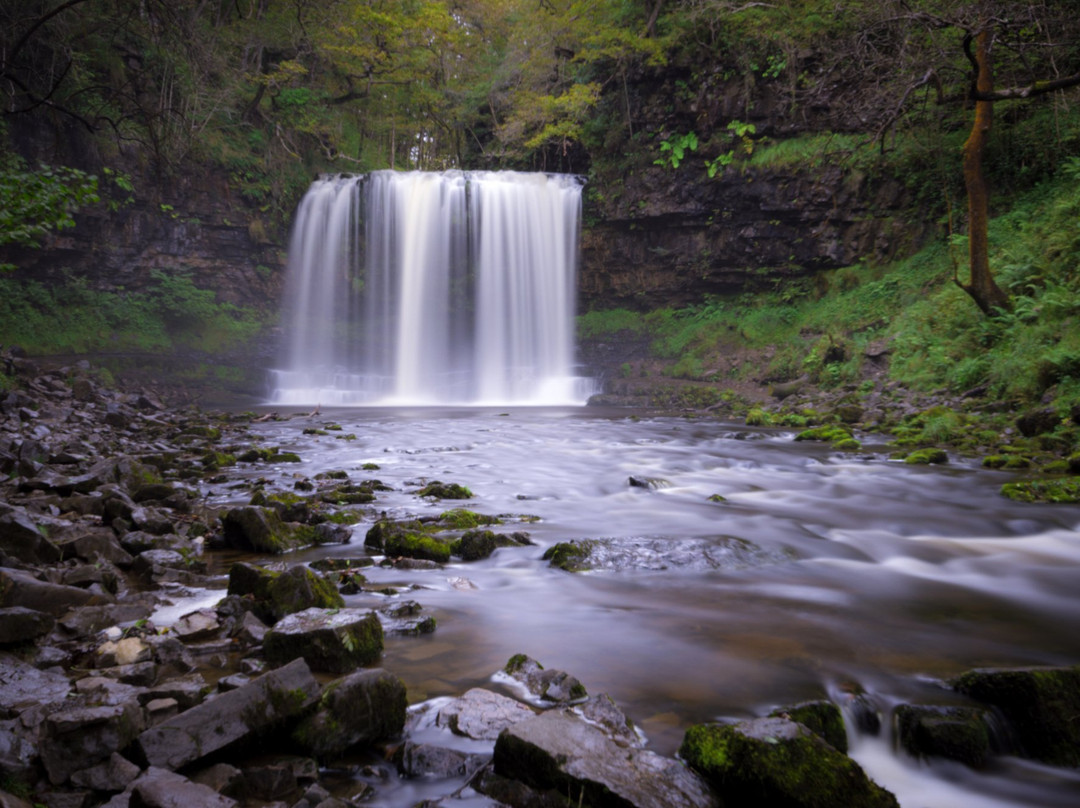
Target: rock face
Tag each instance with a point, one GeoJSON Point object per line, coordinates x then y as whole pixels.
{"type": "Point", "coordinates": [557, 751]}
{"type": "Point", "coordinates": [778, 762]}
{"type": "Point", "coordinates": [230, 717]}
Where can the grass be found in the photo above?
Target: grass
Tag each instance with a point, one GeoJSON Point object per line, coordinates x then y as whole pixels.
{"type": "Point", "coordinates": [936, 336]}
{"type": "Point", "coordinates": [171, 314]}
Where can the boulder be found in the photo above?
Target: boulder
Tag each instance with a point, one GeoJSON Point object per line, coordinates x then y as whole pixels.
{"type": "Point", "coordinates": [548, 685]}
{"type": "Point", "coordinates": [557, 751]}
{"type": "Point", "coordinates": [1039, 704]}
{"type": "Point", "coordinates": [407, 540]}
{"type": "Point", "coordinates": [19, 588]}
{"type": "Point", "coordinates": [406, 619]}
{"type": "Point", "coordinates": [777, 761]}
{"type": "Point", "coordinates": [481, 714]}
{"type": "Point", "coordinates": [956, 733]}
{"type": "Point", "coordinates": [230, 717]}
{"type": "Point", "coordinates": [81, 737]}
{"type": "Point", "coordinates": [260, 530]}
{"type": "Point", "coordinates": [112, 775]}
{"type": "Point", "coordinates": [428, 760]}
{"type": "Point", "coordinates": [363, 708]}
{"type": "Point", "coordinates": [159, 788]}
{"type": "Point", "coordinates": [23, 686]}
{"type": "Point", "coordinates": [19, 624]}
{"type": "Point", "coordinates": [335, 641]}
{"type": "Point", "coordinates": [21, 539]}
{"type": "Point", "coordinates": [278, 594]}
{"type": "Point", "coordinates": [820, 717]}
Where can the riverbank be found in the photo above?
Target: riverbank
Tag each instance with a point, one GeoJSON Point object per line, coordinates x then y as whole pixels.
{"type": "Point", "coordinates": [160, 565]}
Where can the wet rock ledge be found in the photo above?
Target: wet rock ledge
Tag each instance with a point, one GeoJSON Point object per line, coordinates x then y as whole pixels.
{"type": "Point", "coordinates": [272, 696]}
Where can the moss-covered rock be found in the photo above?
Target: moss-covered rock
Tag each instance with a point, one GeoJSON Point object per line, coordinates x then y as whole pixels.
{"type": "Point", "coordinates": [925, 457]}
{"type": "Point", "coordinates": [1042, 706]}
{"type": "Point", "coordinates": [820, 717]}
{"type": "Point", "coordinates": [475, 545]}
{"type": "Point", "coordinates": [408, 540]}
{"type": "Point", "coordinates": [1061, 489]}
{"type": "Point", "coordinates": [571, 556]}
{"type": "Point", "coordinates": [827, 433]}
{"type": "Point", "coordinates": [440, 490]}
{"type": "Point", "coordinates": [417, 545]}
{"type": "Point", "coordinates": [462, 519]}
{"type": "Point", "coordinates": [277, 594]}
{"type": "Point", "coordinates": [778, 762]}
{"type": "Point", "coordinates": [260, 530]}
{"type": "Point", "coordinates": [334, 641]}
{"type": "Point", "coordinates": [363, 708]}
{"type": "Point", "coordinates": [546, 684]}
{"type": "Point", "coordinates": [956, 733]}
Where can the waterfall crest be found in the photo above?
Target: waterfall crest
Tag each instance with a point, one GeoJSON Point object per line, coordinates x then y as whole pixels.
{"type": "Point", "coordinates": [420, 288]}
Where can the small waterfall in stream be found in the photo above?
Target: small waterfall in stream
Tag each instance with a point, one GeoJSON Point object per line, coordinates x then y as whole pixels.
{"type": "Point", "coordinates": [433, 288]}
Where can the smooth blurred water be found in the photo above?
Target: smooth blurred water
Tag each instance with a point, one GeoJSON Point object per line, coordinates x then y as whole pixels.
{"type": "Point", "coordinates": [409, 288]}
{"type": "Point", "coordinates": [817, 572]}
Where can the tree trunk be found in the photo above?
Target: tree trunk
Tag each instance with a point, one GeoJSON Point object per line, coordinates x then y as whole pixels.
{"type": "Point", "coordinates": [982, 288]}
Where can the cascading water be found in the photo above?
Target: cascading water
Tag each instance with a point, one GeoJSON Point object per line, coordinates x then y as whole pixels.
{"type": "Point", "coordinates": [427, 288]}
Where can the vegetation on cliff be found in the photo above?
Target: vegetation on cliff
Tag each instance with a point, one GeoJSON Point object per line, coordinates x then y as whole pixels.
{"type": "Point", "coordinates": [651, 100]}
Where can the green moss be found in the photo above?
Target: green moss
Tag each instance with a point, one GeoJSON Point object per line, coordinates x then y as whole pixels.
{"type": "Point", "coordinates": [717, 498]}
{"type": "Point", "coordinates": [462, 519]}
{"type": "Point", "coordinates": [847, 445]}
{"type": "Point", "coordinates": [571, 556]}
{"type": "Point", "coordinates": [787, 765]}
{"type": "Point", "coordinates": [924, 457]}
{"type": "Point", "coordinates": [416, 545]}
{"type": "Point", "coordinates": [475, 545]}
{"type": "Point", "coordinates": [370, 467]}
{"type": "Point", "coordinates": [956, 733]}
{"type": "Point", "coordinates": [284, 457]}
{"type": "Point", "coordinates": [823, 718]}
{"type": "Point", "coordinates": [332, 475]}
{"type": "Point", "coordinates": [517, 662]}
{"type": "Point", "coordinates": [440, 490]}
{"type": "Point", "coordinates": [758, 417]}
{"type": "Point", "coordinates": [212, 461]}
{"type": "Point", "coordinates": [829, 433]}
{"type": "Point", "coordinates": [1041, 706]}
{"type": "Point", "coordinates": [1059, 490]}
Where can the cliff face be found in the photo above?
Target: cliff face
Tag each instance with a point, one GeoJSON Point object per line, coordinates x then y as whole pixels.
{"type": "Point", "coordinates": [199, 231]}
{"type": "Point", "coordinates": [658, 235]}
{"type": "Point", "coordinates": [677, 237]}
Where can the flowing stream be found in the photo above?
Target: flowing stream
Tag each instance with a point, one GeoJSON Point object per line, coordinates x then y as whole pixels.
{"type": "Point", "coordinates": [817, 573]}
{"type": "Point", "coordinates": [433, 288]}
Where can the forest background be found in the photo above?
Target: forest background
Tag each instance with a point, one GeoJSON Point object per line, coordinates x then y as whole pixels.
{"type": "Point", "coordinates": [922, 158]}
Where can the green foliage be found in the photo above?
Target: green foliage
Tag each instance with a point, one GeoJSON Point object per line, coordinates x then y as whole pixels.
{"type": "Point", "coordinates": [34, 202]}
{"type": "Point", "coordinates": [72, 317]}
{"type": "Point", "coordinates": [673, 151]}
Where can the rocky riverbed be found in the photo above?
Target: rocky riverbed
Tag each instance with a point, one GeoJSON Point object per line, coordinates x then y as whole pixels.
{"type": "Point", "coordinates": [116, 689]}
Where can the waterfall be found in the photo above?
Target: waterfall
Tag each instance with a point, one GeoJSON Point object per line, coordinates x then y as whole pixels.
{"type": "Point", "coordinates": [421, 288]}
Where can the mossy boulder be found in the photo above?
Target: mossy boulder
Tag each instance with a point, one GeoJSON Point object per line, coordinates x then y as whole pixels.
{"type": "Point", "coordinates": [820, 717]}
{"type": "Point", "coordinates": [827, 433]}
{"type": "Point", "coordinates": [330, 640]}
{"type": "Point", "coordinates": [407, 540]}
{"type": "Point", "coordinates": [546, 684]}
{"type": "Point", "coordinates": [363, 708]}
{"type": "Point", "coordinates": [440, 490]}
{"type": "Point", "coordinates": [1059, 490]}
{"type": "Point", "coordinates": [925, 457]}
{"type": "Point", "coordinates": [277, 594]}
{"type": "Point", "coordinates": [572, 556]}
{"type": "Point", "coordinates": [261, 530]}
{"type": "Point", "coordinates": [1041, 705]}
{"type": "Point", "coordinates": [778, 762]}
{"type": "Point", "coordinates": [956, 733]}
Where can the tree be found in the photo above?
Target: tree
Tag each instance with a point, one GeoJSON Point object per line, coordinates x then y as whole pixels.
{"type": "Point", "coordinates": [1026, 41]}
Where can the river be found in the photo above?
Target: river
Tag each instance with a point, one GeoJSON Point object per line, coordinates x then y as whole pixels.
{"type": "Point", "coordinates": [816, 574]}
